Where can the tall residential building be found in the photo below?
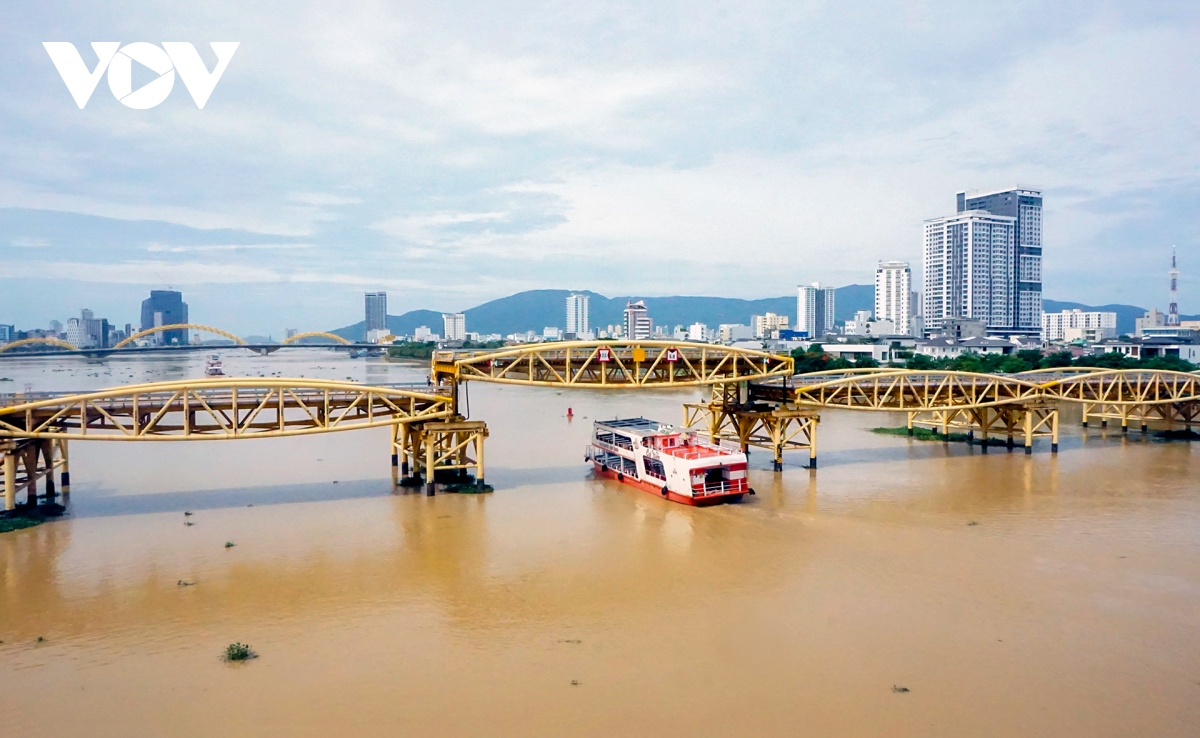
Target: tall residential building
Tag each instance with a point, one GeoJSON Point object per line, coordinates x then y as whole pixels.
{"type": "Point", "coordinates": [893, 294]}
{"type": "Point", "coordinates": [577, 314]}
{"type": "Point", "coordinates": [637, 321]}
{"type": "Point", "coordinates": [968, 259]}
{"type": "Point", "coordinates": [165, 307]}
{"type": "Point", "coordinates": [454, 326]}
{"type": "Point", "coordinates": [1076, 325]}
{"type": "Point", "coordinates": [376, 311]}
{"type": "Point", "coordinates": [815, 310]}
{"type": "Point", "coordinates": [1025, 207]}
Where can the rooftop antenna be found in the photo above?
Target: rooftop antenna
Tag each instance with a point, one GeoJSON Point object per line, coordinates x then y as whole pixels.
{"type": "Point", "coordinates": [1173, 309]}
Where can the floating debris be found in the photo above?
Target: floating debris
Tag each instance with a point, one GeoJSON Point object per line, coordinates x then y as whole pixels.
{"type": "Point", "coordinates": [184, 583]}
{"type": "Point", "coordinates": [901, 690]}
{"type": "Point", "coordinates": [188, 523]}
{"type": "Point", "coordinates": [574, 682]}
{"type": "Point", "coordinates": [973, 522]}
{"type": "Point", "coordinates": [229, 544]}
{"type": "Point", "coordinates": [41, 639]}
{"type": "Point", "coordinates": [187, 512]}
{"type": "Point", "coordinates": [239, 652]}
{"type": "Point", "coordinates": [569, 640]}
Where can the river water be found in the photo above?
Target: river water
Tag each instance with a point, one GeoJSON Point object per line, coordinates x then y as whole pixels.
{"type": "Point", "coordinates": [562, 605]}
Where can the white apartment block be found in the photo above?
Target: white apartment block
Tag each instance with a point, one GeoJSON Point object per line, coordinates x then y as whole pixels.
{"type": "Point", "coordinates": [969, 261]}
{"type": "Point", "coordinates": [765, 326]}
{"type": "Point", "coordinates": [1077, 325]}
{"type": "Point", "coordinates": [893, 293]}
{"type": "Point", "coordinates": [577, 315]}
{"type": "Point", "coordinates": [454, 326]}
{"type": "Point", "coordinates": [638, 325]}
{"type": "Point", "coordinates": [815, 310]}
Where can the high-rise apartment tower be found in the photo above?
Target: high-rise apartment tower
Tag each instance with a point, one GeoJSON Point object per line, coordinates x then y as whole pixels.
{"type": "Point", "coordinates": [893, 294]}
{"type": "Point", "coordinates": [577, 314]}
{"type": "Point", "coordinates": [968, 260]}
{"type": "Point", "coordinates": [815, 310]}
{"type": "Point", "coordinates": [1025, 207]}
{"type": "Point", "coordinates": [376, 311]}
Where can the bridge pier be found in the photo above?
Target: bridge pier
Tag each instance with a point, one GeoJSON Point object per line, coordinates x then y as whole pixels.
{"type": "Point", "coordinates": [776, 428]}
{"type": "Point", "coordinates": [10, 480]}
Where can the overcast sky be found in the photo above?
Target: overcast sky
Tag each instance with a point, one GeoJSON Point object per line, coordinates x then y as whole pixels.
{"type": "Point", "coordinates": [453, 152]}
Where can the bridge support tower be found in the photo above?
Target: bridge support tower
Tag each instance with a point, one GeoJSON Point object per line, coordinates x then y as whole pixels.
{"type": "Point", "coordinates": [434, 452]}
{"type": "Point", "coordinates": [27, 461]}
{"type": "Point", "coordinates": [729, 416]}
{"type": "Point", "coordinates": [1024, 420]}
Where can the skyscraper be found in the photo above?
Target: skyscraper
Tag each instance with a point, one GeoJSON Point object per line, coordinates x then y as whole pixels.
{"type": "Point", "coordinates": [893, 294]}
{"type": "Point", "coordinates": [1025, 207]}
{"type": "Point", "coordinates": [376, 312]}
{"type": "Point", "coordinates": [454, 326]}
{"type": "Point", "coordinates": [577, 314]}
{"type": "Point", "coordinates": [165, 307]}
{"type": "Point", "coordinates": [968, 260]}
{"type": "Point", "coordinates": [637, 321]}
{"type": "Point", "coordinates": [815, 310]}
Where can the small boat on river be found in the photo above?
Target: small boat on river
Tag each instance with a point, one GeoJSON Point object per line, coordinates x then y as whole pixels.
{"type": "Point", "coordinates": [213, 367]}
{"type": "Point", "coordinates": [674, 463]}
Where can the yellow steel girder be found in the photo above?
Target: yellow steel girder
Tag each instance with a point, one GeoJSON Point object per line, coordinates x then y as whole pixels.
{"type": "Point", "coordinates": [218, 408]}
{"type": "Point", "coordinates": [611, 364]}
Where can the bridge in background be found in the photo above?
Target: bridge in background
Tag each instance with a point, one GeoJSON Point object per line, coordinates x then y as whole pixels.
{"type": "Point", "coordinates": [55, 346]}
{"type": "Point", "coordinates": [754, 400]}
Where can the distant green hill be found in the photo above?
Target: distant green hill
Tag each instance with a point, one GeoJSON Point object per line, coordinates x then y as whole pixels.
{"type": "Point", "coordinates": [535, 309]}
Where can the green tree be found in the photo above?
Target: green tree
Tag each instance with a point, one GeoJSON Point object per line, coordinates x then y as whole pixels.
{"type": "Point", "coordinates": [1016, 363]}
{"type": "Point", "coordinates": [1110, 360]}
{"type": "Point", "coordinates": [1057, 359]}
{"type": "Point", "coordinates": [920, 362]}
{"type": "Point", "coordinates": [968, 362]}
{"type": "Point", "coordinates": [1167, 363]}
{"type": "Point", "coordinates": [865, 362]}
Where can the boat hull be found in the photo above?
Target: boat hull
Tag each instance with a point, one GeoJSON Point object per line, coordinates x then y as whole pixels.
{"type": "Point", "coordinates": [657, 489]}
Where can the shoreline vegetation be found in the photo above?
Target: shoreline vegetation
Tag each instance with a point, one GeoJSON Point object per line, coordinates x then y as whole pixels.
{"type": "Point", "coordinates": [26, 517]}
{"type": "Point", "coordinates": [925, 434]}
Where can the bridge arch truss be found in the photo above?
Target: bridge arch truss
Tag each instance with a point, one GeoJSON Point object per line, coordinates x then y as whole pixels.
{"type": "Point", "coordinates": [611, 365]}
{"type": "Point", "coordinates": [175, 327]}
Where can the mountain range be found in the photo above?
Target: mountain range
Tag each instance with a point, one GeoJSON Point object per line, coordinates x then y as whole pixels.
{"type": "Point", "coordinates": [535, 309]}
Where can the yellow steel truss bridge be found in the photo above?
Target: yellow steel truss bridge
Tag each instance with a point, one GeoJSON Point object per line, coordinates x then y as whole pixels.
{"type": "Point", "coordinates": [755, 399]}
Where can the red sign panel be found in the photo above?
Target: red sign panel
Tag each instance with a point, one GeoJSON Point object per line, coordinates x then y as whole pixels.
{"type": "Point", "coordinates": [604, 356]}
{"type": "Point", "coordinates": [672, 355]}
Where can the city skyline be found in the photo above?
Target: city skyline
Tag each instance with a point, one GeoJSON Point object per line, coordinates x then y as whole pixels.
{"type": "Point", "coordinates": [530, 157]}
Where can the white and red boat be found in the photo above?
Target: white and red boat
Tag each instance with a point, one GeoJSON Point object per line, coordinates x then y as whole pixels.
{"type": "Point", "coordinates": [673, 463]}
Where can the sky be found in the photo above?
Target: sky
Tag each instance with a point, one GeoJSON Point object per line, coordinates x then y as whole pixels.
{"type": "Point", "coordinates": [454, 152]}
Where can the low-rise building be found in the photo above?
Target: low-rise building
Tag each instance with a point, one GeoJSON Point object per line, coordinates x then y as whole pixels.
{"type": "Point", "coordinates": [730, 332]}
{"type": "Point", "coordinates": [1077, 325]}
{"type": "Point", "coordinates": [950, 348]}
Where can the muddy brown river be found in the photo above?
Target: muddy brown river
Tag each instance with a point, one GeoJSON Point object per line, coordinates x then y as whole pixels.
{"type": "Point", "coordinates": [907, 588]}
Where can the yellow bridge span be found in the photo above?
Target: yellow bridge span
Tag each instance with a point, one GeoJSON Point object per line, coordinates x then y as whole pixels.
{"type": "Point", "coordinates": [35, 429]}
{"type": "Point", "coordinates": [611, 365]}
{"type": "Point", "coordinates": [781, 414]}
{"type": "Point", "coordinates": [754, 400]}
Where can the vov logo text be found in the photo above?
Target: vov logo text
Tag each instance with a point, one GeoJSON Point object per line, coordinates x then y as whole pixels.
{"type": "Point", "coordinates": [117, 60]}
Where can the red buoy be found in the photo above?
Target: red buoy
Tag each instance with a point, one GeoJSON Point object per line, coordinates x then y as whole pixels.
{"type": "Point", "coordinates": [570, 413]}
